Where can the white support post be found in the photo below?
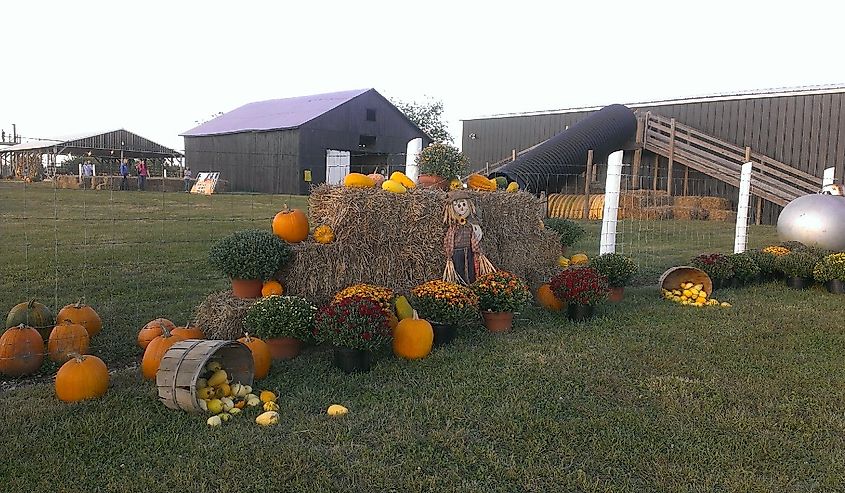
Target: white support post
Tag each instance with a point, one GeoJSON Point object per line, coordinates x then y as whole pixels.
{"type": "Point", "coordinates": [80, 170]}
{"type": "Point", "coordinates": [611, 203]}
{"type": "Point", "coordinates": [94, 169]}
{"type": "Point", "coordinates": [413, 150]}
{"type": "Point", "coordinates": [741, 237]}
{"type": "Point", "coordinates": [829, 176]}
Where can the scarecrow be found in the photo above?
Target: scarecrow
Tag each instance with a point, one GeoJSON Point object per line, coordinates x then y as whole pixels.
{"type": "Point", "coordinates": [464, 258]}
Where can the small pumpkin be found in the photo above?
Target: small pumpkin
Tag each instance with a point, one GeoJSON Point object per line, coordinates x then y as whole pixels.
{"type": "Point", "coordinates": [272, 287]}
{"type": "Point", "coordinates": [377, 178]}
{"type": "Point", "coordinates": [21, 351]}
{"type": "Point", "coordinates": [291, 225]}
{"type": "Point", "coordinates": [82, 314]}
{"type": "Point", "coordinates": [261, 357]}
{"type": "Point", "coordinates": [579, 259]}
{"type": "Point", "coordinates": [455, 184]}
{"type": "Point", "coordinates": [32, 314]}
{"type": "Point", "coordinates": [152, 330]}
{"type": "Point", "coordinates": [188, 332]}
{"type": "Point", "coordinates": [323, 234]}
{"type": "Point", "coordinates": [67, 338]}
{"type": "Point", "coordinates": [547, 299]}
{"type": "Point", "coordinates": [81, 378]}
{"type": "Point", "coordinates": [513, 187]}
{"type": "Point", "coordinates": [358, 180]}
{"type": "Point", "coordinates": [413, 338]}
{"type": "Point", "coordinates": [403, 179]}
{"type": "Point", "coordinates": [501, 182]}
{"type": "Point", "coordinates": [155, 351]}
{"type": "Point", "coordinates": [393, 186]}
{"type": "Point", "coordinates": [478, 182]}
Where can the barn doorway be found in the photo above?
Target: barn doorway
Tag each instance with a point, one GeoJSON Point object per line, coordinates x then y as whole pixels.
{"type": "Point", "coordinates": [375, 162]}
{"type": "Point", "coordinates": [337, 166]}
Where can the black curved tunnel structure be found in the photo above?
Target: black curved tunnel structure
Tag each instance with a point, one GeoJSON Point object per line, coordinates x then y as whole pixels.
{"type": "Point", "coordinates": [605, 131]}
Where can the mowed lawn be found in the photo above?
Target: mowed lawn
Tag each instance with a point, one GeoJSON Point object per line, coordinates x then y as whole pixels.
{"type": "Point", "coordinates": [650, 396]}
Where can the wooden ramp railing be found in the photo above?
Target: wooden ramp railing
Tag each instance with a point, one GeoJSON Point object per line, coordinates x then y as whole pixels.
{"type": "Point", "coordinates": [772, 180]}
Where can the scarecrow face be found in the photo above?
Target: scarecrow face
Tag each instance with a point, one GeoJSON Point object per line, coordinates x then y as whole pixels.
{"type": "Point", "coordinates": [461, 207]}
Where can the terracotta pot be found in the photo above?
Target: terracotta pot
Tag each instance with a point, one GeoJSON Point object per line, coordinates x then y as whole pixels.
{"type": "Point", "coordinates": [498, 321]}
{"type": "Point", "coordinates": [247, 288]}
{"type": "Point", "coordinates": [352, 360]}
{"type": "Point", "coordinates": [616, 294]}
{"type": "Point", "coordinates": [835, 286]}
{"type": "Point", "coordinates": [433, 181]}
{"type": "Point", "coordinates": [443, 334]}
{"type": "Point", "coordinates": [579, 313]}
{"type": "Point", "coordinates": [284, 348]}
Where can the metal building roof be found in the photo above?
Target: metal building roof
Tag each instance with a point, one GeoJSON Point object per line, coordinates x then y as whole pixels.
{"type": "Point", "coordinates": [274, 114]}
{"type": "Point", "coordinates": [99, 143]}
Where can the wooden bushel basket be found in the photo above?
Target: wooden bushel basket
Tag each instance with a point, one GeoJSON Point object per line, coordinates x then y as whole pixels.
{"type": "Point", "coordinates": [673, 277]}
{"type": "Point", "coordinates": [185, 362]}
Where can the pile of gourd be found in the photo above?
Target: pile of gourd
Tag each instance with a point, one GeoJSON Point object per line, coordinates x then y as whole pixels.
{"type": "Point", "coordinates": [217, 395]}
{"type": "Point", "coordinates": [690, 294]}
{"type": "Point", "coordinates": [400, 183]}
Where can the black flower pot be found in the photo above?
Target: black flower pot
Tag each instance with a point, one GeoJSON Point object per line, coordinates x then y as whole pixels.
{"type": "Point", "coordinates": [579, 313]}
{"type": "Point", "coordinates": [835, 286]}
{"type": "Point", "coordinates": [443, 334]}
{"type": "Point", "coordinates": [797, 282]}
{"type": "Point", "coordinates": [352, 360]}
{"type": "Point", "coordinates": [717, 284]}
{"type": "Point", "coordinates": [736, 282]}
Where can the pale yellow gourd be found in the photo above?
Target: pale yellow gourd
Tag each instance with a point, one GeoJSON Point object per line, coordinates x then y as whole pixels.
{"type": "Point", "coordinates": [358, 180]}
{"type": "Point", "coordinates": [393, 186]}
{"type": "Point", "coordinates": [400, 178]}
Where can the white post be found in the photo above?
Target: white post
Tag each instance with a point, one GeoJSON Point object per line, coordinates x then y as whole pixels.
{"type": "Point", "coordinates": [94, 169]}
{"type": "Point", "coordinates": [829, 175]}
{"type": "Point", "coordinates": [80, 170]}
{"type": "Point", "coordinates": [741, 238]}
{"type": "Point", "coordinates": [611, 203]}
{"type": "Point", "coordinates": [414, 148]}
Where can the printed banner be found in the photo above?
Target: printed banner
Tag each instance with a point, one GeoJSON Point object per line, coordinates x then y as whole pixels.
{"type": "Point", "coordinates": [205, 183]}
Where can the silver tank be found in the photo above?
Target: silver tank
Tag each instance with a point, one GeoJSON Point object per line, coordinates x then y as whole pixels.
{"type": "Point", "coordinates": [817, 219]}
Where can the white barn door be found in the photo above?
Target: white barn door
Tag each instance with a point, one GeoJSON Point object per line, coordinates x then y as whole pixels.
{"type": "Point", "coordinates": [337, 166]}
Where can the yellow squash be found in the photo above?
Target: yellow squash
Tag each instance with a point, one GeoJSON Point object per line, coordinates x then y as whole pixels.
{"type": "Point", "coordinates": [358, 180]}
{"type": "Point", "coordinates": [393, 186]}
{"type": "Point", "coordinates": [402, 179]}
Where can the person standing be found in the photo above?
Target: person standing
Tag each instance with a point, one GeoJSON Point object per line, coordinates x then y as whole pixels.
{"type": "Point", "coordinates": [142, 175]}
{"type": "Point", "coordinates": [124, 173]}
{"type": "Point", "coordinates": [87, 172]}
{"type": "Point", "coordinates": [188, 179]}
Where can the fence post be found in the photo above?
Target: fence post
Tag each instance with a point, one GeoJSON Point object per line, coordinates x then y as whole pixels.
{"type": "Point", "coordinates": [513, 154]}
{"type": "Point", "coordinates": [585, 214]}
{"type": "Point", "coordinates": [635, 171]}
{"type": "Point", "coordinates": [611, 203]}
{"type": "Point", "coordinates": [741, 235]}
{"type": "Point", "coordinates": [656, 171]}
{"type": "Point", "coordinates": [671, 157]}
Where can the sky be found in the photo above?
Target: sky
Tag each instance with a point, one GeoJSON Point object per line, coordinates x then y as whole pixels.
{"type": "Point", "coordinates": [158, 68]}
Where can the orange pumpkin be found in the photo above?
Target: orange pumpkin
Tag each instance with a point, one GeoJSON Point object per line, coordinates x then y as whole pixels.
{"type": "Point", "coordinates": [82, 377]}
{"type": "Point", "coordinates": [153, 330]}
{"type": "Point", "coordinates": [65, 339]}
{"type": "Point", "coordinates": [188, 332]}
{"type": "Point", "coordinates": [260, 354]}
{"type": "Point", "coordinates": [547, 299]}
{"type": "Point", "coordinates": [272, 287]}
{"type": "Point", "coordinates": [291, 225]}
{"type": "Point", "coordinates": [413, 338]}
{"type": "Point", "coordinates": [21, 351]}
{"type": "Point", "coordinates": [83, 315]}
{"type": "Point", "coordinates": [155, 351]}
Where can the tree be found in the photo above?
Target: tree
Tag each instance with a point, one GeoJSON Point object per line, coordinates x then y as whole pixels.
{"type": "Point", "coordinates": [428, 116]}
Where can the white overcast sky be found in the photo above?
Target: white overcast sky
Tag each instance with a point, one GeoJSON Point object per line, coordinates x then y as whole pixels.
{"type": "Point", "coordinates": [155, 68]}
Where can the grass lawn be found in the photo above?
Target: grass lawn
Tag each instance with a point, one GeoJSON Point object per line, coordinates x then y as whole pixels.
{"type": "Point", "coordinates": [650, 396]}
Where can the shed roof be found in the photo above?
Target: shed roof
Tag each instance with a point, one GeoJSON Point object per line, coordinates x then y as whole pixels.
{"type": "Point", "coordinates": [274, 114]}
{"type": "Point", "coordinates": [98, 143]}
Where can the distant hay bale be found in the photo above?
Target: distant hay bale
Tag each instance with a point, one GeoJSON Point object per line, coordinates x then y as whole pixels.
{"type": "Point", "coordinates": [688, 202]}
{"type": "Point", "coordinates": [221, 315]}
{"type": "Point", "coordinates": [723, 215]}
{"type": "Point", "coordinates": [653, 213]}
{"type": "Point", "coordinates": [682, 212]}
{"type": "Point", "coordinates": [715, 203]}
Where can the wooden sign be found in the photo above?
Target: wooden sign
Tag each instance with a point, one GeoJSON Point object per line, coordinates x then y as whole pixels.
{"type": "Point", "coordinates": [205, 183]}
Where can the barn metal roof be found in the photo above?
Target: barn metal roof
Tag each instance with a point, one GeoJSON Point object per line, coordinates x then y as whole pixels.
{"type": "Point", "coordinates": [726, 96]}
{"type": "Point", "coordinates": [99, 143]}
{"type": "Point", "coordinates": [274, 114]}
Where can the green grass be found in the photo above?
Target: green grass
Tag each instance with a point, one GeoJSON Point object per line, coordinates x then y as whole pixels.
{"type": "Point", "coordinates": [650, 396]}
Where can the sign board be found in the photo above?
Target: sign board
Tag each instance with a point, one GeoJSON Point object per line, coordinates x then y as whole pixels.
{"type": "Point", "coordinates": [205, 183]}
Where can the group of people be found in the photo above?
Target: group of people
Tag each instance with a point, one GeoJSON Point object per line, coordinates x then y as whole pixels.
{"type": "Point", "coordinates": [140, 168]}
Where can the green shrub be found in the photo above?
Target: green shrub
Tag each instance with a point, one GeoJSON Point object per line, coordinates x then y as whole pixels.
{"type": "Point", "coordinates": [568, 231]}
{"type": "Point", "coordinates": [797, 264]}
{"type": "Point", "coordinates": [744, 267]}
{"type": "Point", "coordinates": [716, 265]}
{"type": "Point", "coordinates": [249, 254]}
{"type": "Point", "coordinates": [442, 160]}
{"type": "Point", "coordinates": [830, 268]}
{"type": "Point", "coordinates": [281, 316]}
{"type": "Point", "coordinates": [765, 261]}
{"type": "Point", "coordinates": [619, 269]}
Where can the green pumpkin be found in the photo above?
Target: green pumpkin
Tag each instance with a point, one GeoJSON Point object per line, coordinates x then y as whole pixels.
{"type": "Point", "coordinates": [501, 182]}
{"type": "Point", "coordinates": [32, 314]}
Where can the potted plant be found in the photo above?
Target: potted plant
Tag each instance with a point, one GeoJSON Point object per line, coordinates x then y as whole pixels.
{"type": "Point", "coordinates": [283, 322]}
{"type": "Point", "coordinates": [830, 271]}
{"type": "Point", "coordinates": [746, 270]}
{"type": "Point", "coordinates": [765, 262]}
{"type": "Point", "coordinates": [568, 231]}
{"type": "Point", "coordinates": [619, 271]}
{"type": "Point", "coordinates": [438, 164]}
{"type": "Point", "coordinates": [381, 295]}
{"type": "Point", "coordinates": [582, 288]}
{"type": "Point", "coordinates": [797, 267]}
{"type": "Point", "coordinates": [717, 266]}
{"type": "Point", "coordinates": [249, 258]}
{"type": "Point", "coordinates": [355, 327]}
{"type": "Point", "coordinates": [447, 306]}
{"type": "Point", "coordinates": [500, 294]}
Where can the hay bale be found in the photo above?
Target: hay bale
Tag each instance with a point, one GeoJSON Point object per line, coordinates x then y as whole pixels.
{"type": "Point", "coordinates": [688, 202]}
{"type": "Point", "coordinates": [699, 214]}
{"type": "Point", "coordinates": [682, 212]}
{"type": "Point", "coordinates": [716, 203]}
{"type": "Point", "coordinates": [653, 213]}
{"type": "Point", "coordinates": [221, 315]}
{"type": "Point", "coordinates": [723, 215]}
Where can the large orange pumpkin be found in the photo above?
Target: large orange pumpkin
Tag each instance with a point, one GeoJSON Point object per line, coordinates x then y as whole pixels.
{"type": "Point", "coordinates": [188, 332]}
{"type": "Point", "coordinates": [413, 338]}
{"type": "Point", "coordinates": [21, 351]}
{"type": "Point", "coordinates": [153, 330]}
{"type": "Point", "coordinates": [82, 377]}
{"type": "Point", "coordinates": [547, 299]}
{"type": "Point", "coordinates": [269, 288]}
{"type": "Point", "coordinates": [65, 339]}
{"type": "Point", "coordinates": [155, 351]}
{"type": "Point", "coordinates": [291, 225]}
{"type": "Point", "coordinates": [260, 354]}
{"type": "Point", "coordinates": [83, 315]}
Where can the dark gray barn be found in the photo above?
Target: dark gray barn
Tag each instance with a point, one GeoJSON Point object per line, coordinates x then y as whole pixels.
{"type": "Point", "coordinates": [800, 128]}
{"type": "Point", "coordinates": [276, 146]}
